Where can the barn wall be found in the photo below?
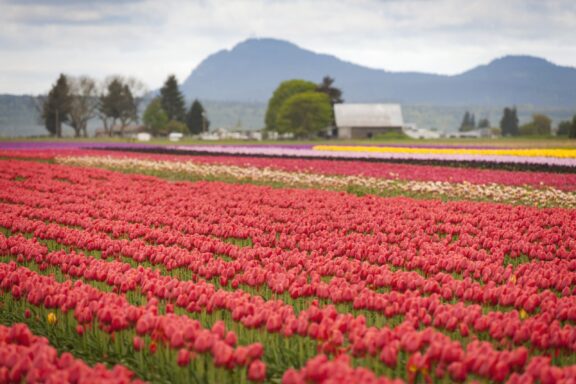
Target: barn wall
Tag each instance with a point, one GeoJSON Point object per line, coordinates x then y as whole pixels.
{"type": "Point", "coordinates": [365, 132]}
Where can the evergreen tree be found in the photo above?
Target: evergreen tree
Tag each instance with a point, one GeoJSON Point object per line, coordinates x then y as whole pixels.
{"type": "Point", "coordinates": [128, 109]}
{"type": "Point", "coordinates": [335, 94]}
{"type": "Point", "coordinates": [56, 107]}
{"type": "Point", "coordinates": [468, 122]}
{"type": "Point", "coordinates": [196, 118]}
{"type": "Point", "coordinates": [509, 122]}
{"type": "Point", "coordinates": [172, 99]}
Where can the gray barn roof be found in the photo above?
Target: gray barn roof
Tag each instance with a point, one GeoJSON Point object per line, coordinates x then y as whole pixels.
{"type": "Point", "coordinates": [368, 115]}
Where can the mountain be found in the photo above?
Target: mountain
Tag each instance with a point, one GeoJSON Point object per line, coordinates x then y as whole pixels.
{"type": "Point", "coordinates": [235, 85]}
{"type": "Point", "coordinates": [251, 71]}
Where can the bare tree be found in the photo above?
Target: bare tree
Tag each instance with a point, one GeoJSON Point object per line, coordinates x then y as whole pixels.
{"type": "Point", "coordinates": [84, 103]}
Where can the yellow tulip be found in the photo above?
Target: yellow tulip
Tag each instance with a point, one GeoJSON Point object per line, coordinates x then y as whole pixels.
{"type": "Point", "coordinates": [52, 318]}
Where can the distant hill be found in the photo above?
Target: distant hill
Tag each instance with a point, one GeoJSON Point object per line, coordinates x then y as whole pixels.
{"type": "Point", "coordinates": [251, 70]}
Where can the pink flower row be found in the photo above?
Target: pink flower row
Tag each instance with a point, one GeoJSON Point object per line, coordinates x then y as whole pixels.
{"type": "Point", "coordinates": [25, 357]}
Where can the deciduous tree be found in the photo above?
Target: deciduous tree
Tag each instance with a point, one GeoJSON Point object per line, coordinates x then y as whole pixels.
{"type": "Point", "coordinates": [541, 125]}
{"type": "Point", "coordinates": [84, 103]}
{"type": "Point", "coordinates": [304, 114]}
{"type": "Point", "coordinates": [284, 91]}
{"type": "Point", "coordinates": [155, 118]}
{"type": "Point", "coordinates": [119, 103]}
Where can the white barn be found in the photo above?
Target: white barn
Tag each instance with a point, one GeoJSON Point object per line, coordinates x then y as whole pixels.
{"type": "Point", "coordinates": [361, 121]}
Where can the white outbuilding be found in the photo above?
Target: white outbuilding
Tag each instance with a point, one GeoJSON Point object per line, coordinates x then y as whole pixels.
{"type": "Point", "coordinates": [364, 121]}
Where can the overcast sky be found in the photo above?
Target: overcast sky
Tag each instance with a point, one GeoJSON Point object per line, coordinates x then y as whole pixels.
{"type": "Point", "coordinates": [150, 39]}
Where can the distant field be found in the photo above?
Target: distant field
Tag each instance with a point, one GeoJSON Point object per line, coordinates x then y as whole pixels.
{"type": "Point", "coordinates": [546, 142]}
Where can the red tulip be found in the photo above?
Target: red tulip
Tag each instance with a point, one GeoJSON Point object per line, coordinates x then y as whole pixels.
{"type": "Point", "coordinates": [183, 357]}
{"type": "Point", "coordinates": [257, 371]}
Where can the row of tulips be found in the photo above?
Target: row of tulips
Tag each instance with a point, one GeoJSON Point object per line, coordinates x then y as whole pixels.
{"type": "Point", "coordinates": [557, 274]}
{"type": "Point", "coordinates": [478, 358]}
{"type": "Point", "coordinates": [113, 314]}
{"type": "Point", "coordinates": [412, 306]}
{"type": "Point", "coordinates": [410, 303]}
{"type": "Point", "coordinates": [443, 355]}
{"type": "Point", "coordinates": [379, 178]}
{"type": "Point", "coordinates": [25, 357]}
{"type": "Point", "coordinates": [480, 238]}
{"type": "Point", "coordinates": [271, 250]}
{"type": "Point", "coordinates": [399, 284]}
{"type": "Point", "coordinates": [568, 153]}
{"type": "Point", "coordinates": [543, 156]}
{"type": "Point", "coordinates": [381, 170]}
{"type": "Point", "coordinates": [549, 196]}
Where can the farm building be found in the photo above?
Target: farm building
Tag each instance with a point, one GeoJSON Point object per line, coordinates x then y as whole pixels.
{"type": "Point", "coordinates": [361, 121]}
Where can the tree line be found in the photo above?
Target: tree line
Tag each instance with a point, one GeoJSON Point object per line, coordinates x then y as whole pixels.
{"type": "Point", "coordinates": [74, 101]}
{"type": "Point", "coordinates": [541, 125]}
{"type": "Point", "coordinates": [167, 112]}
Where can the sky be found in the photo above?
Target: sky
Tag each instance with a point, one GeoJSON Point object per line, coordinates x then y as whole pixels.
{"type": "Point", "coordinates": [39, 39]}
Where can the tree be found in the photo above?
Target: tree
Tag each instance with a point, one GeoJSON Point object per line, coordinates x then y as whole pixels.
{"type": "Point", "coordinates": [196, 118]}
{"type": "Point", "coordinates": [564, 128]}
{"type": "Point", "coordinates": [129, 108]}
{"type": "Point", "coordinates": [176, 126]}
{"type": "Point", "coordinates": [84, 103]}
{"type": "Point", "coordinates": [284, 91]}
{"type": "Point", "coordinates": [304, 114]}
{"type": "Point", "coordinates": [155, 118]}
{"type": "Point", "coordinates": [572, 132]}
{"type": "Point", "coordinates": [56, 107]}
{"type": "Point", "coordinates": [119, 103]}
{"type": "Point", "coordinates": [509, 122]}
{"type": "Point", "coordinates": [541, 125]}
{"type": "Point", "coordinates": [484, 123]}
{"type": "Point", "coordinates": [468, 122]}
{"type": "Point", "coordinates": [172, 99]}
{"type": "Point", "coordinates": [335, 94]}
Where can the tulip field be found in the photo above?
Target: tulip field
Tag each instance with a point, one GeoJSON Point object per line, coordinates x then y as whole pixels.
{"type": "Point", "coordinates": [125, 263]}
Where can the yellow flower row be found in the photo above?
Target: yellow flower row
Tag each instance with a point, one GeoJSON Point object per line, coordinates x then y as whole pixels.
{"type": "Point", "coordinates": [524, 152]}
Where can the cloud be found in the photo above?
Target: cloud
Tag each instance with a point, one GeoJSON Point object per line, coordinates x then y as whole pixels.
{"type": "Point", "coordinates": [150, 39]}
